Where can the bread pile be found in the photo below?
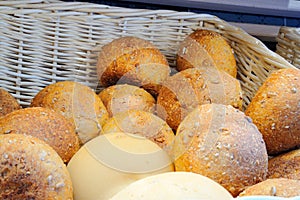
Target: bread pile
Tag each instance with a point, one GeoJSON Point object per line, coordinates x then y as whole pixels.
{"type": "Point", "coordinates": [147, 121]}
{"type": "Point", "coordinates": [202, 103]}
{"type": "Point", "coordinates": [37, 142]}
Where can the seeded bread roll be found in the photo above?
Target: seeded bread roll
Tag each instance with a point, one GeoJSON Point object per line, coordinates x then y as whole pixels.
{"type": "Point", "coordinates": [45, 124]}
{"type": "Point", "coordinates": [142, 123]}
{"type": "Point", "coordinates": [187, 89]}
{"type": "Point", "coordinates": [206, 49]}
{"type": "Point", "coordinates": [286, 165]}
{"type": "Point", "coordinates": [123, 97]}
{"type": "Point", "coordinates": [220, 142]}
{"type": "Point", "coordinates": [76, 102]}
{"type": "Point", "coordinates": [31, 169]}
{"type": "Point", "coordinates": [275, 109]}
{"type": "Point", "coordinates": [7, 103]}
{"type": "Point", "coordinates": [134, 61]}
{"type": "Point", "coordinates": [280, 187]}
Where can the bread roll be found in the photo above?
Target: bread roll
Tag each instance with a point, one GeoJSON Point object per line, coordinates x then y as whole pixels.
{"type": "Point", "coordinates": [8, 103]}
{"type": "Point", "coordinates": [286, 165]}
{"type": "Point", "coordinates": [206, 49]}
{"type": "Point", "coordinates": [175, 186]}
{"type": "Point", "coordinates": [45, 124]}
{"type": "Point", "coordinates": [279, 187]}
{"type": "Point", "coordinates": [76, 102]}
{"type": "Point", "coordinates": [123, 97]}
{"type": "Point", "coordinates": [134, 61]}
{"type": "Point", "coordinates": [31, 169]}
{"type": "Point", "coordinates": [187, 89]}
{"type": "Point", "coordinates": [110, 162]}
{"type": "Point", "coordinates": [142, 123]}
{"type": "Point", "coordinates": [220, 142]}
{"type": "Point", "coordinates": [275, 109]}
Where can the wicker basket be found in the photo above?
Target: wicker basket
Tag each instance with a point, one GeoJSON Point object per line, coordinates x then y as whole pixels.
{"type": "Point", "coordinates": [43, 42]}
{"type": "Point", "coordinates": [288, 44]}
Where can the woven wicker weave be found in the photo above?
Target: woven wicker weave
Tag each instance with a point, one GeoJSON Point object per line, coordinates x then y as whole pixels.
{"type": "Point", "coordinates": [288, 45]}
{"type": "Point", "coordinates": [47, 41]}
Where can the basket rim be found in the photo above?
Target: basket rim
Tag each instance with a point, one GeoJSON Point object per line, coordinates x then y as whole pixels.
{"type": "Point", "coordinates": [61, 8]}
{"type": "Point", "coordinates": [291, 33]}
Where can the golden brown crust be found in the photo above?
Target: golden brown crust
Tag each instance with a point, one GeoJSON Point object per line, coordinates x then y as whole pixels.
{"type": "Point", "coordinates": [189, 88]}
{"type": "Point", "coordinates": [31, 169]}
{"type": "Point", "coordinates": [220, 142]}
{"type": "Point", "coordinates": [134, 61]}
{"type": "Point", "coordinates": [119, 47]}
{"type": "Point", "coordinates": [45, 124]}
{"type": "Point", "coordinates": [275, 109]}
{"type": "Point", "coordinates": [119, 98]}
{"type": "Point", "coordinates": [76, 102]}
{"type": "Point", "coordinates": [286, 165]}
{"type": "Point", "coordinates": [280, 187]}
{"type": "Point", "coordinates": [192, 54]}
{"type": "Point", "coordinates": [143, 123]}
{"type": "Point", "coordinates": [204, 48]}
{"type": "Point", "coordinates": [7, 103]}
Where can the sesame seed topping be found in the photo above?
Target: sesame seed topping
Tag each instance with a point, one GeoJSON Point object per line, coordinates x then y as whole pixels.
{"type": "Point", "coordinates": [5, 156]}
{"type": "Point", "coordinates": [294, 90]}
{"type": "Point", "coordinates": [273, 191]}
{"type": "Point", "coordinates": [60, 184]}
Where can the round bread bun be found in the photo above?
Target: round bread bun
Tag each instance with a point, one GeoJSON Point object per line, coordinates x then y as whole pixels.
{"type": "Point", "coordinates": [76, 102]}
{"type": "Point", "coordinates": [187, 89]}
{"type": "Point", "coordinates": [142, 123]}
{"type": "Point", "coordinates": [275, 110]}
{"type": "Point", "coordinates": [119, 98]}
{"type": "Point", "coordinates": [175, 186]}
{"type": "Point", "coordinates": [220, 142]}
{"type": "Point", "coordinates": [31, 169]}
{"type": "Point", "coordinates": [45, 124]}
{"type": "Point", "coordinates": [205, 48]}
{"type": "Point", "coordinates": [280, 187]}
{"type": "Point", "coordinates": [134, 61]}
{"type": "Point", "coordinates": [286, 165]}
{"type": "Point", "coordinates": [110, 162]}
{"type": "Point", "coordinates": [8, 103]}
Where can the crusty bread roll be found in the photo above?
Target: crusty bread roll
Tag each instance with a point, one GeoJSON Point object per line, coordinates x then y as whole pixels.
{"type": "Point", "coordinates": [46, 125]}
{"type": "Point", "coordinates": [132, 60]}
{"type": "Point", "coordinates": [8, 103]}
{"type": "Point", "coordinates": [286, 165]}
{"type": "Point", "coordinates": [189, 88]}
{"type": "Point", "coordinates": [275, 109]}
{"type": "Point", "coordinates": [119, 98]}
{"type": "Point", "coordinates": [110, 162]}
{"type": "Point", "coordinates": [206, 49]}
{"type": "Point", "coordinates": [76, 102]}
{"type": "Point", "coordinates": [31, 169]}
{"type": "Point", "coordinates": [175, 186]}
{"type": "Point", "coordinates": [280, 187]}
{"type": "Point", "coordinates": [142, 123]}
{"type": "Point", "coordinates": [220, 142]}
